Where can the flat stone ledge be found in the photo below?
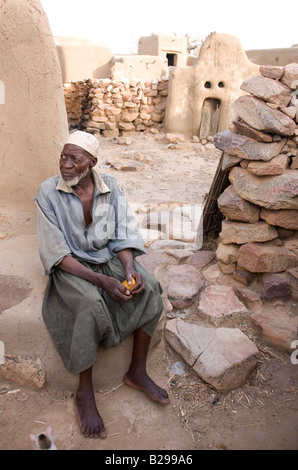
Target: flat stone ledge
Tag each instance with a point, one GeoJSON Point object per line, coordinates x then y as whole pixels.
{"type": "Point", "coordinates": [222, 357]}
{"type": "Point", "coordinates": [219, 303]}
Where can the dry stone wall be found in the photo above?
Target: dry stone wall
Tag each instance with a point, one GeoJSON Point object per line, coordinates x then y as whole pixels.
{"type": "Point", "coordinates": [259, 233]}
{"type": "Point", "coordinates": [112, 108]}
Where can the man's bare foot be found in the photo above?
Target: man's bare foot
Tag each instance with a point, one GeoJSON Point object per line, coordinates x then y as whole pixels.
{"type": "Point", "coordinates": [88, 417]}
{"type": "Point", "coordinates": [145, 384]}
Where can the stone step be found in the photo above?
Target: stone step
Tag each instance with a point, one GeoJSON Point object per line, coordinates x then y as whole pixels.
{"type": "Point", "coordinates": [222, 357]}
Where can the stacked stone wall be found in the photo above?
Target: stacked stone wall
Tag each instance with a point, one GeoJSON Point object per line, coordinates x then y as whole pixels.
{"type": "Point", "coordinates": [259, 233]}
{"type": "Point", "coordinates": [112, 108]}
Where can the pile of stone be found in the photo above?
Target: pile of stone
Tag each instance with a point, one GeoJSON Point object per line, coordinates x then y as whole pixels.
{"type": "Point", "coordinates": [259, 235]}
{"type": "Point", "coordinates": [112, 108]}
{"type": "Point", "coordinates": [252, 277]}
{"type": "Point", "coordinates": [74, 96]}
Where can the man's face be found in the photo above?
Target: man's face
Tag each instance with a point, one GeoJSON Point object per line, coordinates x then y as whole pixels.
{"type": "Point", "coordinates": [75, 163]}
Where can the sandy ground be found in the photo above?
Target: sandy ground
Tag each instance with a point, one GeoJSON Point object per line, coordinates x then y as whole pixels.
{"type": "Point", "coordinates": [260, 415]}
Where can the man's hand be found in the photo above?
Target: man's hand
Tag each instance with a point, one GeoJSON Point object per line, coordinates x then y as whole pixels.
{"type": "Point", "coordinates": [140, 283]}
{"type": "Point", "coordinates": [115, 289]}
{"type": "Point", "coordinates": [126, 259]}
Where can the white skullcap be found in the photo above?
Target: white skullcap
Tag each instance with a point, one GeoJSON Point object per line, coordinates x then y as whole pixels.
{"type": "Point", "coordinates": [84, 140]}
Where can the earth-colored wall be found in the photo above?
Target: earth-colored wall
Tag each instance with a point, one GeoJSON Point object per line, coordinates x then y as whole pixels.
{"type": "Point", "coordinates": [280, 57]}
{"type": "Point", "coordinates": [139, 67]}
{"type": "Point", "coordinates": [81, 59]}
{"type": "Point", "coordinates": [222, 65]}
{"type": "Point", "coordinates": [160, 45]}
{"type": "Point", "coordinates": [33, 124]}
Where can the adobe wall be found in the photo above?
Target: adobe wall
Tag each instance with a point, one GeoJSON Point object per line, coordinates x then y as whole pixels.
{"type": "Point", "coordinates": [217, 74]}
{"type": "Point", "coordinates": [33, 116]}
{"type": "Point", "coordinates": [282, 56]}
{"type": "Point", "coordinates": [139, 67]}
{"type": "Point", "coordinates": [81, 59]}
{"type": "Point", "coordinates": [161, 45]}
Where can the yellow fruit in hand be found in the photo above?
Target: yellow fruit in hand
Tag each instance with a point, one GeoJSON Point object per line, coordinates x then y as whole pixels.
{"type": "Point", "coordinates": [133, 283]}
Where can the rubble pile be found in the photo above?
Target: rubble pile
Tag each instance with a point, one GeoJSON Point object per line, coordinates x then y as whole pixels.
{"type": "Point", "coordinates": [259, 233]}
{"type": "Point", "coordinates": [112, 108]}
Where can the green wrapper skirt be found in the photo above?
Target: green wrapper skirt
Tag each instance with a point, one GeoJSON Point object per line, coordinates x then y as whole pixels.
{"type": "Point", "coordinates": [81, 317]}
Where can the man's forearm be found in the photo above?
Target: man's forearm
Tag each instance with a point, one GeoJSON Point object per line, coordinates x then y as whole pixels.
{"type": "Point", "coordinates": [72, 266]}
{"type": "Point", "coordinates": [126, 258]}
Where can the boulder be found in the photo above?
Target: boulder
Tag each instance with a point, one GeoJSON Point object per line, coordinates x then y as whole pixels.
{"type": "Point", "coordinates": [234, 207]}
{"type": "Point", "coordinates": [227, 253]}
{"type": "Point", "coordinates": [201, 258]}
{"type": "Point", "coordinates": [242, 232]}
{"type": "Point", "coordinates": [268, 89]}
{"type": "Point", "coordinates": [185, 284]}
{"type": "Point", "coordinates": [279, 328]}
{"type": "Point", "coordinates": [283, 218]}
{"type": "Point", "coordinates": [222, 357]}
{"type": "Point", "coordinates": [276, 166]}
{"type": "Point", "coordinates": [247, 148]}
{"type": "Point", "coordinates": [238, 125]}
{"type": "Point", "coordinates": [271, 71]}
{"type": "Point", "coordinates": [271, 192]}
{"type": "Point", "coordinates": [290, 76]}
{"type": "Point", "coordinates": [265, 258]}
{"type": "Point", "coordinates": [220, 303]}
{"type": "Point", "coordinates": [257, 114]}
{"type": "Point", "coordinates": [275, 287]}
{"type": "Point", "coordinates": [23, 369]}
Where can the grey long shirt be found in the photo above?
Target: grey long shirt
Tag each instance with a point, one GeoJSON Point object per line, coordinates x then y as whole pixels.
{"type": "Point", "coordinates": [61, 225]}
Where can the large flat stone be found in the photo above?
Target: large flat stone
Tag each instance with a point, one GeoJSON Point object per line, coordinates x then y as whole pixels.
{"type": "Point", "coordinates": [238, 125]}
{"type": "Point", "coordinates": [219, 303]}
{"type": "Point", "coordinates": [268, 89]}
{"type": "Point", "coordinates": [271, 192]}
{"type": "Point", "coordinates": [257, 114]}
{"type": "Point", "coordinates": [276, 166]}
{"type": "Point", "coordinates": [283, 218]}
{"type": "Point", "coordinates": [242, 232]}
{"type": "Point", "coordinates": [279, 328]}
{"type": "Point", "coordinates": [222, 357]}
{"type": "Point", "coordinates": [201, 258]}
{"type": "Point", "coordinates": [247, 148]}
{"type": "Point", "coordinates": [265, 258]}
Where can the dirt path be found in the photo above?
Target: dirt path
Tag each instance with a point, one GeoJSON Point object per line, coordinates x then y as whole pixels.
{"type": "Point", "coordinates": [260, 415]}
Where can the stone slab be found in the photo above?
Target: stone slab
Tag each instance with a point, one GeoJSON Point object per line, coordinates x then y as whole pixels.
{"type": "Point", "coordinates": [220, 303]}
{"type": "Point", "coordinates": [222, 357]}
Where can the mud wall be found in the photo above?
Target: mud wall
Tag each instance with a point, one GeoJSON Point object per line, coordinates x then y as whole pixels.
{"type": "Point", "coordinates": [33, 115]}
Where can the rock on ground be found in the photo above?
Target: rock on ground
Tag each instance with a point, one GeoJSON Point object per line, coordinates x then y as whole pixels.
{"type": "Point", "coordinates": [23, 369]}
{"type": "Point", "coordinates": [222, 357]}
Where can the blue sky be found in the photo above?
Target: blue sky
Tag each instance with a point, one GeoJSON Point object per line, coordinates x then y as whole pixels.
{"type": "Point", "coordinates": [259, 24]}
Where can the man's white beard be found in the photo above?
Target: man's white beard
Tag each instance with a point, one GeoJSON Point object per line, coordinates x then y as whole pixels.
{"type": "Point", "coordinates": [77, 179]}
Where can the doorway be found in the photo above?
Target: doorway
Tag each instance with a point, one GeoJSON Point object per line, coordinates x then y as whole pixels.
{"type": "Point", "coordinates": [209, 118]}
{"type": "Point", "coordinates": [172, 60]}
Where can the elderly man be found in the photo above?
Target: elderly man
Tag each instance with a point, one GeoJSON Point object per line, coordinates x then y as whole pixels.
{"type": "Point", "coordinates": [88, 242]}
